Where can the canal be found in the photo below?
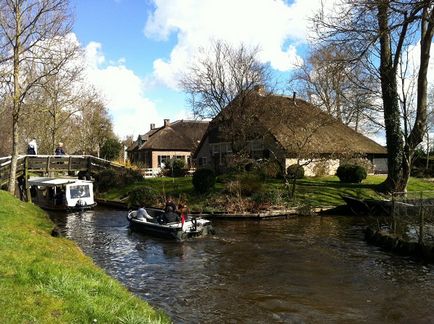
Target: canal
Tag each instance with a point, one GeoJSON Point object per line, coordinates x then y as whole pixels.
{"type": "Point", "coordinates": [302, 269]}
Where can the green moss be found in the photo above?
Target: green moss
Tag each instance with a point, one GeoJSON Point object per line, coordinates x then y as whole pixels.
{"type": "Point", "coordinates": [49, 280]}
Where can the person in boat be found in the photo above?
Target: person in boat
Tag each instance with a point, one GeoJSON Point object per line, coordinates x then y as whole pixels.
{"type": "Point", "coordinates": [183, 212]}
{"type": "Point", "coordinates": [169, 215]}
{"type": "Point", "coordinates": [170, 206]}
{"type": "Point", "coordinates": [59, 149]}
{"type": "Point", "coordinates": [143, 215]}
{"type": "Point", "coordinates": [32, 147]}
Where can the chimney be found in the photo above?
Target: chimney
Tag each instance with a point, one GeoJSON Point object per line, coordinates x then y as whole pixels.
{"type": "Point", "coordinates": [166, 122]}
{"type": "Point", "coordinates": [152, 126]}
{"type": "Point", "coordinates": [260, 89]}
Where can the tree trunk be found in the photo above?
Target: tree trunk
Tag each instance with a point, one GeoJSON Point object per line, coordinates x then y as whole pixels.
{"type": "Point", "coordinates": [14, 160]}
{"type": "Point", "coordinates": [16, 101]}
{"type": "Point", "coordinates": [395, 180]}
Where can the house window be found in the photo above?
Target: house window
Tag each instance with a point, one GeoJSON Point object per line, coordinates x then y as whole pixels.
{"type": "Point", "coordinates": [215, 148]}
{"type": "Point", "coordinates": [218, 148]}
{"type": "Point", "coordinates": [256, 145]}
{"type": "Point", "coordinates": [202, 161]}
{"type": "Point", "coordinates": [162, 160]}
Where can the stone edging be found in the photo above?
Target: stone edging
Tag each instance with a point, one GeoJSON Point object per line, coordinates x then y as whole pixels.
{"type": "Point", "coordinates": [397, 245]}
{"type": "Point", "coordinates": [278, 213]}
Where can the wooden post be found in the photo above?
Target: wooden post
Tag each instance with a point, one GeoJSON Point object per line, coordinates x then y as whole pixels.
{"type": "Point", "coordinates": [48, 165]}
{"type": "Point", "coordinates": [421, 219]}
{"type": "Point", "coordinates": [393, 214]}
{"type": "Point", "coordinates": [26, 179]}
{"type": "Point", "coordinates": [89, 164]}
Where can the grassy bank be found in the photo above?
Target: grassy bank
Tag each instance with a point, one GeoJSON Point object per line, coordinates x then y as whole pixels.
{"type": "Point", "coordinates": [49, 280]}
{"type": "Point", "coordinates": [315, 192]}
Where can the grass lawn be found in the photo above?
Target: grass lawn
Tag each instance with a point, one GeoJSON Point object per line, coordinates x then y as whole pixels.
{"type": "Point", "coordinates": [315, 192]}
{"type": "Point", "coordinates": [44, 279]}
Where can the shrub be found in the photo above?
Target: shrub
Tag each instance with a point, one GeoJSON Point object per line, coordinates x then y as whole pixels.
{"type": "Point", "coordinates": [109, 178]}
{"type": "Point", "coordinates": [226, 177]}
{"type": "Point", "coordinates": [250, 183]}
{"type": "Point", "coordinates": [246, 184]}
{"type": "Point", "coordinates": [351, 173]}
{"type": "Point", "coordinates": [203, 180]}
{"type": "Point", "coordinates": [364, 163]}
{"type": "Point", "coordinates": [270, 169]}
{"type": "Point", "coordinates": [106, 179]}
{"type": "Point", "coordinates": [269, 198]}
{"type": "Point", "coordinates": [131, 176]}
{"type": "Point", "coordinates": [295, 171]}
{"type": "Point", "coordinates": [175, 168]}
{"type": "Point", "coordinates": [111, 149]}
{"type": "Point", "coordinates": [321, 168]}
{"type": "Point", "coordinates": [142, 197]}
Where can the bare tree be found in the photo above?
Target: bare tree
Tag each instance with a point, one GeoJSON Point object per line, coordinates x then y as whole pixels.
{"type": "Point", "coordinates": [224, 76]}
{"type": "Point", "coordinates": [50, 106]}
{"type": "Point", "coordinates": [92, 126]}
{"type": "Point", "coordinates": [379, 31]}
{"type": "Point", "coordinates": [29, 31]}
{"type": "Point", "coordinates": [220, 74]}
{"type": "Point", "coordinates": [343, 89]}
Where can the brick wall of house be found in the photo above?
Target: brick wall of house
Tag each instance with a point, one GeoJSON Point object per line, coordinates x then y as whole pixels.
{"type": "Point", "coordinates": [170, 154]}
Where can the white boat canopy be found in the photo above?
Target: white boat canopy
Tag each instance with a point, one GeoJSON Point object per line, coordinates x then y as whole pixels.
{"type": "Point", "coordinates": [45, 181]}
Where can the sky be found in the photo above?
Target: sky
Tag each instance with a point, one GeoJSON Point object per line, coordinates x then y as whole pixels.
{"type": "Point", "coordinates": [136, 49]}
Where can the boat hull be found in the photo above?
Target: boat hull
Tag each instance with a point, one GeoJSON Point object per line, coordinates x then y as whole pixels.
{"type": "Point", "coordinates": [192, 227]}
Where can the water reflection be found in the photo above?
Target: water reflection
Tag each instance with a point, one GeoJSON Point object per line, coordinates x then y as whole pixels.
{"type": "Point", "coordinates": [307, 269]}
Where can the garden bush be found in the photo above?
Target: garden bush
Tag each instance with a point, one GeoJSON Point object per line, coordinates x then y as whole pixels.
{"type": "Point", "coordinates": [270, 169]}
{"type": "Point", "coordinates": [363, 162]}
{"type": "Point", "coordinates": [245, 184]}
{"type": "Point", "coordinates": [203, 180]}
{"type": "Point", "coordinates": [131, 176]}
{"type": "Point", "coordinates": [350, 173]}
{"type": "Point", "coordinates": [321, 168]}
{"type": "Point", "coordinates": [143, 197]}
{"type": "Point", "coordinates": [295, 171]}
{"type": "Point", "coordinates": [250, 183]}
{"type": "Point", "coordinates": [175, 168]}
{"type": "Point", "coordinates": [106, 179]}
{"type": "Point", "coordinates": [109, 178]}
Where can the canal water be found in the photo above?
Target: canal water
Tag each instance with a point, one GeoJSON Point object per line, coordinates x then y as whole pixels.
{"type": "Point", "coordinates": [297, 270]}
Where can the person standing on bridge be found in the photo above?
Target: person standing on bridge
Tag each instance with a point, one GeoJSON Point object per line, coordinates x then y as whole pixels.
{"type": "Point", "coordinates": [59, 149]}
{"type": "Point", "coordinates": [32, 147]}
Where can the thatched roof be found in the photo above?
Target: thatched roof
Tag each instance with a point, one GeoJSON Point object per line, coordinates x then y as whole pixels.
{"type": "Point", "coordinates": [299, 127]}
{"type": "Point", "coordinates": [181, 135]}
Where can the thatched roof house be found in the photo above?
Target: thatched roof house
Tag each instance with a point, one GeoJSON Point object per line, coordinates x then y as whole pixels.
{"type": "Point", "coordinates": [172, 140]}
{"type": "Point", "coordinates": [286, 128]}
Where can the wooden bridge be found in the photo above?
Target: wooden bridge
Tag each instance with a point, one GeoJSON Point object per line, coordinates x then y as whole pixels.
{"type": "Point", "coordinates": [51, 164]}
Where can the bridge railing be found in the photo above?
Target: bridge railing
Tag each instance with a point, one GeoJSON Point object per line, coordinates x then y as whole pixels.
{"type": "Point", "coordinates": [54, 163]}
{"type": "Point", "coordinates": [5, 167]}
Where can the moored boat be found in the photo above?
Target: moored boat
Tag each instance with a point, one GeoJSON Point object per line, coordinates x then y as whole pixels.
{"type": "Point", "coordinates": [155, 224]}
{"type": "Point", "coordinates": [67, 194]}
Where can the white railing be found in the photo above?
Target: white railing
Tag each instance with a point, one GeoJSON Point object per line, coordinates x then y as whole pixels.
{"type": "Point", "coordinates": [151, 172]}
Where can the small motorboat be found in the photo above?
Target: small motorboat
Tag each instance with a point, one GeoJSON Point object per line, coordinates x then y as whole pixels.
{"type": "Point", "coordinates": [68, 194]}
{"type": "Point", "coordinates": [155, 223]}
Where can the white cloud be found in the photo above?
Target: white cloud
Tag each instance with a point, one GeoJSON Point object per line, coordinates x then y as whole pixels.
{"type": "Point", "coordinates": [271, 24]}
{"type": "Point", "coordinates": [123, 92]}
